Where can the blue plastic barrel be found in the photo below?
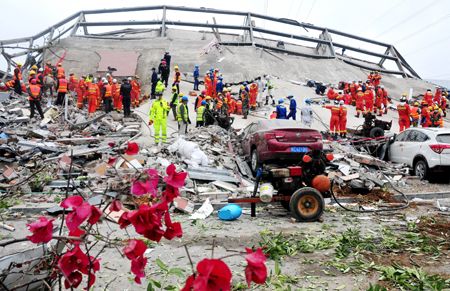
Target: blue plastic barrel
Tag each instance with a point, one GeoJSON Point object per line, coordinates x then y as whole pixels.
{"type": "Point", "coordinates": [230, 212]}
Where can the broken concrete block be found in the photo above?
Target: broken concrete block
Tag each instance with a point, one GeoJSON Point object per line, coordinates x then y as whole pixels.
{"type": "Point", "coordinates": [183, 205]}
{"type": "Point", "coordinates": [10, 174]}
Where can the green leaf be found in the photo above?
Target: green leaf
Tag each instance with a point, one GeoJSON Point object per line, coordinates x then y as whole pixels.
{"type": "Point", "coordinates": [170, 287]}
{"type": "Point", "coordinates": [277, 268]}
{"type": "Point", "coordinates": [161, 265]}
{"type": "Point", "coordinates": [177, 272]}
{"type": "Point", "coordinates": [152, 283]}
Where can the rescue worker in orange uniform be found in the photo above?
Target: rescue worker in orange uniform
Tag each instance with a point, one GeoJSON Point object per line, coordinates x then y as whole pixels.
{"type": "Point", "coordinates": [208, 84]}
{"type": "Point", "coordinates": [60, 71]}
{"type": "Point", "coordinates": [48, 69]}
{"type": "Point", "coordinates": [437, 95]}
{"type": "Point", "coordinates": [81, 92]}
{"type": "Point", "coordinates": [359, 102]}
{"type": "Point", "coordinates": [232, 106]}
{"type": "Point", "coordinates": [92, 95]}
{"type": "Point", "coordinates": [107, 98]}
{"type": "Point", "coordinates": [436, 117]}
{"type": "Point", "coordinates": [99, 83]}
{"type": "Point", "coordinates": [18, 72]}
{"type": "Point", "coordinates": [334, 119]}
{"type": "Point", "coordinates": [135, 91]}
{"type": "Point", "coordinates": [425, 120]}
{"type": "Point", "coordinates": [428, 97]}
{"type": "Point", "coordinates": [379, 105]}
{"type": "Point", "coordinates": [34, 98]}
{"type": "Point", "coordinates": [239, 106]}
{"type": "Point", "coordinates": [199, 99]}
{"type": "Point", "coordinates": [253, 93]}
{"type": "Point", "coordinates": [342, 119]}
{"type": "Point", "coordinates": [331, 94]}
{"type": "Point", "coordinates": [376, 79]}
{"type": "Point", "coordinates": [353, 87]}
{"type": "Point", "coordinates": [404, 114]}
{"type": "Point", "coordinates": [415, 114]}
{"type": "Point", "coordinates": [368, 100]}
{"type": "Point", "coordinates": [62, 90]}
{"type": "Point", "coordinates": [117, 101]}
{"type": "Point", "coordinates": [177, 79]}
{"type": "Point", "coordinates": [73, 82]}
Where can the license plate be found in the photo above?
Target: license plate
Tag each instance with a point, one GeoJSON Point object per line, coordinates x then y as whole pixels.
{"type": "Point", "coordinates": [299, 149]}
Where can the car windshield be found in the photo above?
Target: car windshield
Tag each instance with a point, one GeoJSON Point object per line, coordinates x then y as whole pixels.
{"type": "Point", "coordinates": [443, 138]}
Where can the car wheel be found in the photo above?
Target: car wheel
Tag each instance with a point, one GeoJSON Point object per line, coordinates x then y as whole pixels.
{"type": "Point", "coordinates": [376, 132]}
{"type": "Point", "coordinates": [254, 161]}
{"type": "Point", "coordinates": [421, 169]}
{"type": "Point", "coordinates": [306, 204]}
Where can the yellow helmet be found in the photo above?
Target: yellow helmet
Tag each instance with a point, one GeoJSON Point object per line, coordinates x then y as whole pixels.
{"type": "Point", "coordinates": [225, 90]}
{"type": "Point", "coordinates": [436, 107]}
{"type": "Point", "coordinates": [32, 72]}
{"type": "Point", "coordinates": [34, 67]}
{"type": "Point", "coordinates": [208, 98]}
{"type": "Point", "coordinates": [416, 103]}
{"type": "Point", "coordinates": [404, 94]}
{"type": "Point", "coordinates": [176, 67]}
{"type": "Point", "coordinates": [19, 64]}
{"type": "Point", "coordinates": [174, 88]}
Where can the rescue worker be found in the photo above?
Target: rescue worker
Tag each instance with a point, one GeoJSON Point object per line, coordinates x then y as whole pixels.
{"type": "Point", "coordinates": [386, 99]}
{"type": "Point", "coordinates": [368, 100]}
{"type": "Point", "coordinates": [292, 108]}
{"type": "Point", "coordinates": [415, 114]}
{"type": "Point", "coordinates": [208, 84]}
{"type": "Point", "coordinates": [158, 117]}
{"type": "Point", "coordinates": [359, 102]}
{"type": "Point", "coordinates": [376, 79]}
{"type": "Point", "coordinates": [164, 71]}
{"type": "Point", "coordinates": [269, 86]}
{"type": "Point", "coordinates": [125, 92]}
{"type": "Point", "coordinates": [34, 98]}
{"type": "Point", "coordinates": [115, 89]}
{"type": "Point", "coordinates": [342, 119]}
{"type": "Point", "coordinates": [199, 99]}
{"type": "Point", "coordinates": [261, 87]}
{"type": "Point", "coordinates": [253, 94]}
{"type": "Point", "coordinates": [436, 117]}
{"type": "Point", "coordinates": [379, 106]}
{"type": "Point", "coordinates": [73, 82]}
{"type": "Point", "coordinates": [92, 91]}
{"type": "Point", "coordinates": [174, 102]}
{"type": "Point", "coordinates": [62, 90]}
{"type": "Point", "coordinates": [177, 79]}
{"type": "Point", "coordinates": [135, 91]}
{"type": "Point", "coordinates": [428, 97]}
{"type": "Point", "coordinates": [331, 94]}
{"type": "Point", "coordinates": [159, 89]}
{"type": "Point", "coordinates": [239, 106]}
{"type": "Point", "coordinates": [334, 119]}
{"type": "Point", "coordinates": [183, 116]}
{"type": "Point", "coordinates": [196, 76]}
{"type": "Point", "coordinates": [48, 69]}
{"type": "Point", "coordinates": [404, 113]}
{"type": "Point", "coordinates": [60, 71]}
{"type": "Point", "coordinates": [31, 75]}
{"type": "Point", "coordinates": [353, 87]}
{"type": "Point", "coordinates": [154, 81]}
{"type": "Point", "coordinates": [201, 114]}
{"type": "Point", "coordinates": [107, 99]}
{"type": "Point", "coordinates": [281, 110]}
{"type": "Point", "coordinates": [40, 78]}
{"type": "Point", "coordinates": [307, 113]}
{"type": "Point", "coordinates": [245, 103]}
{"type": "Point", "coordinates": [425, 120]}
{"type": "Point", "coordinates": [81, 91]}
{"type": "Point", "coordinates": [49, 84]}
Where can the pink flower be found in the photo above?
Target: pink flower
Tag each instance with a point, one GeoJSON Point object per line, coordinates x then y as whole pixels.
{"type": "Point", "coordinates": [140, 188]}
{"type": "Point", "coordinates": [132, 149]}
{"type": "Point", "coordinates": [134, 249]}
{"type": "Point", "coordinates": [137, 268]}
{"type": "Point", "coordinates": [123, 220]}
{"type": "Point", "coordinates": [174, 178]}
{"type": "Point", "coordinates": [78, 215]}
{"type": "Point", "coordinates": [95, 215]}
{"type": "Point", "coordinates": [72, 201]}
{"type": "Point", "coordinates": [42, 230]}
{"type": "Point", "coordinates": [256, 270]}
{"type": "Point", "coordinates": [116, 205]}
{"type": "Point", "coordinates": [172, 229]}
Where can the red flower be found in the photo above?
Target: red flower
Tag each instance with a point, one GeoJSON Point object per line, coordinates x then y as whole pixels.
{"type": "Point", "coordinates": [123, 220]}
{"type": "Point", "coordinates": [134, 249]}
{"type": "Point", "coordinates": [170, 193]}
{"type": "Point", "coordinates": [116, 205]}
{"type": "Point", "coordinates": [132, 149]}
{"type": "Point", "coordinates": [212, 275]}
{"type": "Point", "coordinates": [140, 188]}
{"type": "Point", "coordinates": [78, 215]}
{"type": "Point", "coordinates": [137, 268]}
{"type": "Point", "coordinates": [42, 230]}
{"type": "Point", "coordinates": [95, 215]}
{"type": "Point", "coordinates": [73, 280]}
{"type": "Point", "coordinates": [112, 161]}
{"type": "Point", "coordinates": [172, 229]}
{"type": "Point", "coordinates": [256, 270]}
{"type": "Point", "coordinates": [147, 220]}
{"type": "Point", "coordinates": [72, 201]}
{"type": "Point", "coordinates": [174, 178]}
{"type": "Point", "coordinates": [77, 233]}
{"type": "Point", "coordinates": [73, 260]}
{"type": "Point", "coordinates": [112, 144]}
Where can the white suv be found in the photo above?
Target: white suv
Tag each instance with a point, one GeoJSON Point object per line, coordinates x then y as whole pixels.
{"type": "Point", "coordinates": [425, 150]}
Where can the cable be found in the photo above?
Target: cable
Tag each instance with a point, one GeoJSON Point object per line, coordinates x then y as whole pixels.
{"type": "Point", "coordinates": [408, 18]}
{"type": "Point", "coordinates": [428, 46]}
{"type": "Point", "coordinates": [386, 12]}
{"type": "Point", "coordinates": [424, 28]}
{"type": "Point", "coordinates": [299, 9]}
{"type": "Point", "coordinates": [309, 13]}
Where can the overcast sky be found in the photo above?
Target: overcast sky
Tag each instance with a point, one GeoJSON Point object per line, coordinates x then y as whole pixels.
{"type": "Point", "coordinates": [419, 29]}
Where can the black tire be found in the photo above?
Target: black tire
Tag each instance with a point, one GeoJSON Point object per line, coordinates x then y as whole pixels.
{"type": "Point", "coordinates": [421, 169]}
{"type": "Point", "coordinates": [376, 132]}
{"type": "Point", "coordinates": [254, 161]}
{"type": "Point", "coordinates": [307, 204]}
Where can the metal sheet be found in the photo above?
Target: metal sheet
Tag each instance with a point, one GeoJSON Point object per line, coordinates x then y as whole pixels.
{"type": "Point", "coordinates": [124, 61]}
{"type": "Point", "coordinates": [211, 174]}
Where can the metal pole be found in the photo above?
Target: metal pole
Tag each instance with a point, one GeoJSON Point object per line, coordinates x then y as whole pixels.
{"type": "Point", "coordinates": [163, 24]}
{"type": "Point", "coordinates": [250, 26]}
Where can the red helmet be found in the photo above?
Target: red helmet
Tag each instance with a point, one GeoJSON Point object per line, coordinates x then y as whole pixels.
{"type": "Point", "coordinates": [203, 92]}
{"type": "Point", "coordinates": [33, 81]}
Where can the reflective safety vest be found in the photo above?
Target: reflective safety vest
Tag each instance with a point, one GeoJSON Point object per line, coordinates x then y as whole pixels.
{"type": "Point", "coordinates": [414, 112]}
{"type": "Point", "coordinates": [59, 72]}
{"type": "Point", "coordinates": [185, 116]}
{"type": "Point", "coordinates": [62, 88]}
{"type": "Point", "coordinates": [159, 110]}
{"type": "Point", "coordinates": [159, 87]}
{"type": "Point", "coordinates": [92, 90]}
{"type": "Point", "coordinates": [200, 111]}
{"type": "Point", "coordinates": [35, 91]}
{"type": "Point", "coordinates": [108, 90]}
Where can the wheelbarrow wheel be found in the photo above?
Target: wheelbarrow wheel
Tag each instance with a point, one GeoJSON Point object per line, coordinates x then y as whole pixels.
{"type": "Point", "coordinates": [306, 204]}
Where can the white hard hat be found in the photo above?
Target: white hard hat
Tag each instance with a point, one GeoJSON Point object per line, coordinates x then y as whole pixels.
{"type": "Point", "coordinates": [114, 80]}
{"type": "Point", "coordinates": [129, 78]}
{"type": "Point", "coordinates": [2, 84]}
{"type": "Point", "coordinates": [108, 74]}
{"type": "Point", "coordinates": [341, 102]}
{"type": "Point", "coordinates": [95, 80]}
{"type": "Point", "coordinates": [40, 70]}
{"type": "Point", "coordinates": [104, 80]}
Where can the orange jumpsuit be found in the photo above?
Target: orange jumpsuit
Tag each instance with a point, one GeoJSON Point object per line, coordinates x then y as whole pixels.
{"type": "Point", "coordinates": [415, 116]}
{"type": "Point", "coordinates": [379, 101]}
{"type": "Point", "coordinates": [73, 83]}
{"type": "Point", "coordinates": [117, 99]}
{"type": "Point", "coordinates": [334, 120]}
{"type": "Point", "coordinates": [232, 106]}
{"type": "Point", "coordinates": [428, 97]}
{"type": "Point", "coordinates": [343, 120]}
{"type": "Point", "coordinates": [92, 94]}
{"type": "Point", "coordinates": [368, 100]}
{"type": "Point", "coordinates": [376, 79]}
{"type": "Point", "coordinates": [60, 72]}
{"type": "Point", "coordinates": [239, 107]}
{"type": "Point", "coordinates": [135, 93]}
{"type": "Point", "coordinates": [359, 103]}
{"type": "Point", "coordinates": [404, 113]}
{"type": "Point", "coordinates": [81, 92]}
{"type": "Point", "coordinates": [353, 88]}
{"type": "Point", "coordinates": [253, 92]}
{"type": "Point", "coordinates": [331, 94]}
{"type": "Point", "coordinates": [208, 86]}
{"type": "Point", "coordinates": [425, 117]}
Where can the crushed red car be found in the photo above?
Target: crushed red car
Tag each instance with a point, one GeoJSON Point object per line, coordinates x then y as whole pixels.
{"type": "Point", "coordinates": [275, 141]}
